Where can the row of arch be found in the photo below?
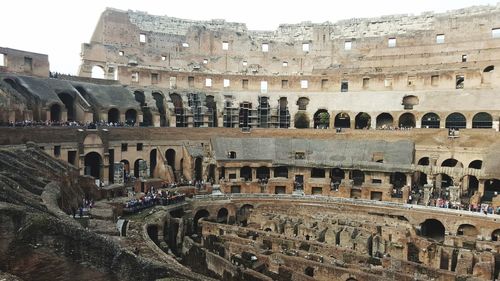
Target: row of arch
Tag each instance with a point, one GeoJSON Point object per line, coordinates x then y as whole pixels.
{"type": "Point", "coordinates": [435, 229]}
{"type": "Point", "coordinates": [406, 120]}
{"type": "Point", "coordinates": [452, 162]}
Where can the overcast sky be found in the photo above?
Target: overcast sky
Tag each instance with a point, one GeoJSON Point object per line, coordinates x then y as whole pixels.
{"type": "Point", "coordinates": [58, 28]}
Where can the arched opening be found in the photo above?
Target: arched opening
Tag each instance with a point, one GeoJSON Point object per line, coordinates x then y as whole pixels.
{"type": "Point", "coordinates": [180, 118]}
{"type": "Point", "coordinates": [476, 164]}
{"type": "Point", "coordinates": [147, 117]}
{"type": "Point", "coordinates": [199, 215]}
{"type": "Point", "coordinates": [495, 235]}
{"type": "Point", "coordinates": [113, 115]}
{"type": "Point", "coordinates": [384, 121]}
{"type": "Point", "coordinates": [152, 162]}
{"type": "Point", "coordinates": [160, 105]}
{"type": "Point", "coordinates": [263, 173]}
{"type": "Point", "coordinates": [321, 119]}
{"type": "Point", "coordinates": [244, 214]}
{"type": "Point", "coordinates": [170, 155]}
{"type": "Point", "coordinates": [342, 120]}
{"type": "Point", "coordinates": [244, 114]}
{"type": "Point", "coordinates": [98, 72]}
{"type": "Point", "coordinates": [351, 279]}
{"type": "Point", "coordinates": [264, 112]}
{"type": "Point", "coordinates": [491, 189]}
{"type": "Point", "coordinates": [126, 169]}
{"type": "Point", "coordinates": [211, 172]}
{"type": "Point", "coordinates": [482, 120]}
{"type": "Point", "coordinates": [358, 177]}
{"type": "Point", "coordinates": [198, 167]}
{"type": "Point", "coordinates": [281, 172]}
{"type": "Point", "coordinates": [467, 230]}
{"type": "Point", "coordinates": [432, 229]}
{"type": "Point", "coordinates": [301, 120]}
{"type": "Point", "coordinates": [424, 161]}
{"type": "Point", "coordinates": [443, 181]}
{"type": "Point", "coordinates": [211, 111]}
{"type": "Point", "coordinates": [222, 215]}
{"type": "Point", "coordinates": [407, 120]}
{"type": "Point", "coordinates": [450, 162]}
{"type": "Point", "coordinates": [302, 103]}
{"type": "Point", "coordinates": [246, 173]}
{"type": "Point", "coordinates": [431, 121]}
{"type": "Point", "coordinates": [93, 164]}
{"type": "Point", "coordinates": [69, 103]}
{"type": "Point", "coordinates": [138, 167]}
{"type": "Point", "coordinates": [487, 73]}
{"type": "Point", "coordinates": [55, 112]}
{"type": "Point", "coordinates": [283, 113]}
{"type": "Point", "coordinates": [362, 121]}
{"type": "Point", "coordinates": [455, 121]}
{"type": "Point", "coordinates": [131, 117]}
{"type": "Point", "coordinates": [153, 233]}
{"type": "Point", "coordinates": [317, 173]}
{"type": "Point", "coordinates": [309, 271]}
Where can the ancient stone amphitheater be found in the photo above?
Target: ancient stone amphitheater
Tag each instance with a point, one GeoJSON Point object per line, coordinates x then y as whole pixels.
{"type": "Point", "coordinates": [365, 149]}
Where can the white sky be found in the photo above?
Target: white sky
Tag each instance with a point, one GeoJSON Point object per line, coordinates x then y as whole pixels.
{"type": "Point", "coordinates": [59, 27]}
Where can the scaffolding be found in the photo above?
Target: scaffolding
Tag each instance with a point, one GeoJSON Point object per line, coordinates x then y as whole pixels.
{"type": "Point", "coordinates": [196, 108]}
{"type": "Point", "coordinates": [231, 115]}
{"type": "Point", "coordinates": [264, 112]}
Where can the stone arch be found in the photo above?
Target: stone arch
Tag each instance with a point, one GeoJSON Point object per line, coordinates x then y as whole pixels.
{"type": "Point", "coordinates": [131, 117]}
{"type": "Point", "coordinates": [407, 120]}
{"type": "Point", "coordinates": [281, 172]}
{"type": "Point", "coordinates": [384, 120]}
{"type": "Point", "coordinates": [302, 103]}
{"type": "Point", "coordinates": [198, 168]}
{"type": "Point", "coordinates": [476, 164]}
{"type": "Point", "coordinates": [244, 213]}
{"type": "Point", "coordinates": [69, 102]}
{"type": "Point", "coordinates": [482, 120]}
{"type": "Point", "coordinates": [487, 73]}
{"type": "Point", "coordinates": [113, 115]}
{"type": "Point", "coordinates": [55, 112]}
{"type": "Point", "coordinates": [126, 167]}
{"type": "Point", "coordinates": [362, 121]}
{"type": "Point", "coordinates": [433, 229]}
{"type": "Point", "coordinates": [147, 117]}
{"type": "Point", "coordinates": [170, 156]}
{"type": "Point", "coordinates": [489, 68]}
{"type": "Point", "coordinates": [455, 120]}
{"type": "Point", "coordinates": [342, 120]}
{"type": "Point", "coordinates": [430, 120]}
{"type": "Point", "coordinates": [467, 230]}
{"type": "Point", "coordinates": [472, 185]}
{"type": "Point", "coordinates": [179, 111]}
{"type": "Point", "coordinates": [424, 161]}
{"type": "Point", "coordinates": [495, 235]}
{"type": "Point", "coordinates": [443, 181]}
{"type": "Point", "coordinates": [160, 105]}
{"type": "Point", "coordinates": [136, 167]}
{"type": "Point", "coordinates": [321, 119]}
{"type": "Point", "coordinates": [246, 173]}
{"type": "Point", "coordinates": [222, 215]}
{"type": "Point", "coordinates": [98, 72]}
{"type": "Point", "coordinates": [451, 162]}
{"type": "Point", "coordinates": [283, 113]}
{"type": "Point", "coordinates": [93, 165]}
{"type": "Point", "coordinates": [202, 213]}
{"type": "Point", "coordinates": [301, 120]}
{"type": "Point", "coordinates": [263, 172]}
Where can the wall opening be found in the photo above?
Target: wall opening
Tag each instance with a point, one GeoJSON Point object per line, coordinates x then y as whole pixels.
{"type": "Point", "coordinates": [362, 121]}
{"type": "Point", "coordinates": [114, 115]}
{"type": "Point", "coordinates": [342, 120]}
{"type": "Point", "coordinates": [482, 120]}
{"type": "Point", "coordinates": [433, 229]}
{"type": "Point", "coordinates": [93, 164]}
{"type": "Point", "coordinates": [384, 121]}
{"type": "Point", "coordinates": [430, 120]}
{"type": "Point", "coordinates": [321, 119]}
{"type": "Point", "coordinates": [455, 121]}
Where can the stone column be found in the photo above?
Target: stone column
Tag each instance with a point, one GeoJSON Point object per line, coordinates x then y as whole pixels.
{"type": "Point", "coordinates": [271, 172]}
{"type": "Point", "coordinates": [480, 188]}
{"type": "Point", "coordinates": [373, 122]}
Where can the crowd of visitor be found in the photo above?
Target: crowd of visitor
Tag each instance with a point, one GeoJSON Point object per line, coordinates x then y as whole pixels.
{"type": "Point", "coordinates": [87, 125]}
{"type": "Point", "coordinates": [152, 198]}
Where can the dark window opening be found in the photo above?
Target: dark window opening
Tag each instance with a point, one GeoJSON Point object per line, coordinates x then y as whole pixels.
{"type": "Point", "coordinates": [139, 146]}
{"type": "Point", "coordinates": [57, 150]}
{"type": "Point", "coordinates": [344, 87]}
{"type": "Point", "coordinates": [459, 81]}
{"type": "Point", "coordinates": [124, 146]}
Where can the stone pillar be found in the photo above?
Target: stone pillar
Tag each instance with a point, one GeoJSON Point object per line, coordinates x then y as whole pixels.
{"type": "Point", "coordinates": [373, 122]}
{"type": "Point", "coordinates": [47, 115]}
{"type": "Point", "coordinates": [496, 124]}
{"type": "Point", "coordinates": [480, 188]}
{"type": "Point", "coordinates": [409, 179]}
{"type": "Point", "coordinates": [64, 116]}
{"type": "Point", "coordinates": [468, 123]}
{"type": "Point", "coordinates": [418, 122]}
{"type": "Point", "coordinates": [254, 173]}
{"type": "Point", "coordinates": [122, 118]}
{"type": "Point", "coordinates": [353, 122]}
{"type": "Point", "coordinates": [327, 173]}
{"type": "Point", "coordinates": [140, 119]}
{"type": "Point", "coordinates": [156, 120]}
{"type": "Point", "coordinates": [271, 172]}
